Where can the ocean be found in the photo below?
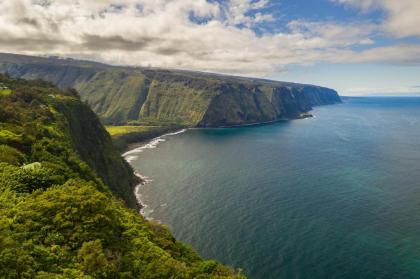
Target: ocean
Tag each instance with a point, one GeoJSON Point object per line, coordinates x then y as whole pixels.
{"type": "Point", "coordinates": [333, 196]}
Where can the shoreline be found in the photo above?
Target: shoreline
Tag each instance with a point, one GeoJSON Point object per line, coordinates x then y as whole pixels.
{"type": "Point", "coordinates": [256, 124]}
{"type": "Point", "coordinates": [143, 143]}
{"type": "Point", "coordinates": [133, 150]}
{"type": "Point", "coordinates": [142, 205]}
{"type": "Point", "coordinates": [133, 154]}
{"type": "Point", "coordinates": [130, 144]}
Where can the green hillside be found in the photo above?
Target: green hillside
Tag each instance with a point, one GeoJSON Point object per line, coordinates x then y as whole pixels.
{"type": "Point", "coordinates": [140, 96]}
{"type": "Point", "coordinates": [62, 186]}
{"type": "Point", "coordinates": [122, 136]}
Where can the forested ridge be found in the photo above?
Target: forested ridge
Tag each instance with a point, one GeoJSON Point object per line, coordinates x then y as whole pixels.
{"type": "Point", "coordinates": [63, 204]}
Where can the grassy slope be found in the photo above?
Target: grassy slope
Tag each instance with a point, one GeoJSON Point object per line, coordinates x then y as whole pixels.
{"type": "Point", "coordinates": [58, 216]}
{"type": "Point", "coordinates": [123, 130]}
{"type": "Point", "coordinates": [123, 136]}
{"type": "Point", "coordinates": [5, 92]}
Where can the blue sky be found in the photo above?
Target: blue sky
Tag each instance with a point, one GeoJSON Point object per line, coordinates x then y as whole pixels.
{"type": "Point", "coordinates": [359, 47]}
{"type": "Point", "coordinates": [315, 10]}
{"type": "Point", "coordinates": [349, 78]}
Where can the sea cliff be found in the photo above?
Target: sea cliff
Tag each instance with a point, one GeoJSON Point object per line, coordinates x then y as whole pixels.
{"type": "Point", "coordinates": [142, 96]}
{"type": "Point", "coordinates": [62, 186]}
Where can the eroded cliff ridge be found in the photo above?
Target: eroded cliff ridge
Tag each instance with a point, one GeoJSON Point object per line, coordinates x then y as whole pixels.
{"type": "Point", "coordinates": [62, 183]}
{"type": "Point", "coordinates": [121, 95]}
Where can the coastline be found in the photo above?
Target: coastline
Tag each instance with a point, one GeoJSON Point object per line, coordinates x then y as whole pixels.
{"type": "Point", "coordinates": [143, 181]}
{"type": "Point", "coordinates": [133, 154]}
{"type": "Point", "coordinates": [133, 151]}
{"type": "Point", "coordinates": [298, 117]}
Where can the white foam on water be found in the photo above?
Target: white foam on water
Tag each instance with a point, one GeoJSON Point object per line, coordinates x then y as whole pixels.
{"type": "Point", "coordinates": [143, 211]}
{"type": "Point", "coordinates": [175, 133]}
{"type": "Point", "coordinates": [152, 144]}
{"type": "Point", "coordinates": [130, 157]}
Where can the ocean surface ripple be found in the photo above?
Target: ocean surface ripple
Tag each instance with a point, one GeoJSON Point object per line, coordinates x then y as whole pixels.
{"type": "Point", "coordinates": [335, 196]}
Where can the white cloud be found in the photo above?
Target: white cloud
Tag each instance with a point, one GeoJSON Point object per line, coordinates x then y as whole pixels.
{"type": "Point", "coordinates": [402, 16]}
{"type": "Point", "coordinates": [398, 54]}
{"type": "Point", "coordinates": [384, 91]}
{"type": "Point", "coordinates": [236, 12]}
{"type": "Point", "coordinates": [188, 34]}
{"type": "Point", "coordinates": [328, 34]}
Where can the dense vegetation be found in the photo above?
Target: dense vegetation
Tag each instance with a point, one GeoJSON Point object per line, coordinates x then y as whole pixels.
{"type": "Point", "coordinates": [59, 217]}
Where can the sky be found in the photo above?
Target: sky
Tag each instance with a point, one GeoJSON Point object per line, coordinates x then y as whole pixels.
{"type": "Point", "coordinates": [358, 47]}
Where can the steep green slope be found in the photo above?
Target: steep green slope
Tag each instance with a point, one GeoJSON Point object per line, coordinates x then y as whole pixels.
{"type": "Point", "coordinates": [94, 146]}
{"type": "Point", "coordinates": [121, 95]}
{"type": "Point", "coordinates": [59, 215]}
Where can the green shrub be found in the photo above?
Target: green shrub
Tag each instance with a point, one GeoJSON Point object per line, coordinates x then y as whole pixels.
{"type": "Point", "coordinates": [11, 156]}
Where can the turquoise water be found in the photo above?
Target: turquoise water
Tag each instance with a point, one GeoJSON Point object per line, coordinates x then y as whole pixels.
{"type": "Point", "coordinates": [335, 196]}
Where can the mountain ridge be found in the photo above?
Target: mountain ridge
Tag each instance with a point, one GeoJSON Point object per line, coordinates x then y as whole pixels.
{"type": "Point", "coordinates": [144, 96]}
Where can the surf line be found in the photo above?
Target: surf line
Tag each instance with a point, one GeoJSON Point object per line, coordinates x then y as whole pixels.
{"type": "Point", "coordinates": [132, 155]}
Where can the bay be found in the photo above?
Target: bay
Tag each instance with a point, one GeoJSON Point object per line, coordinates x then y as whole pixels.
{"type": "Point", "coordinates": [334, 196]}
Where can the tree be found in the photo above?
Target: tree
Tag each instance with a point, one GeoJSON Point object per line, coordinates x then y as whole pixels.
{"type": "Point", "coordinates": [92, 259]}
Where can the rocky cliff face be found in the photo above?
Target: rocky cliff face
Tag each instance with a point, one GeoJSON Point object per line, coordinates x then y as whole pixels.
{"type": "Point", "coordinates": [121, 94]}
{"type": "Point", "coordinates": [94, 145]}
{"type": "Point", "coordinates": [242, 104]}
